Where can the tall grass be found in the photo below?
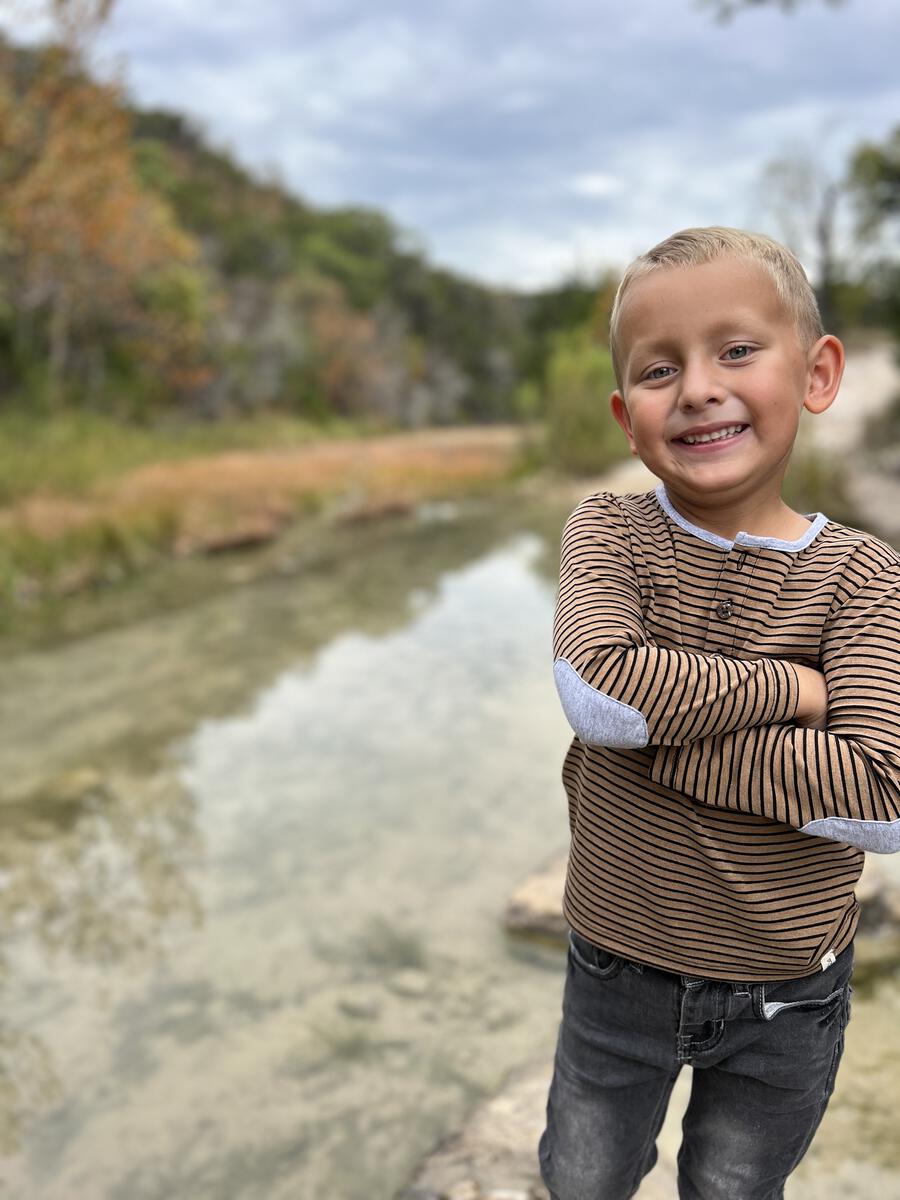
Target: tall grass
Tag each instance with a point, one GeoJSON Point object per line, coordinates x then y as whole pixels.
{"type": "Point", "coordinates": [70, 452]}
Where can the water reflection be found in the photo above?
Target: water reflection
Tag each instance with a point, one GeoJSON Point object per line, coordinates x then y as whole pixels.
{"type": "Point", "coordinates": [91, 872]}
{"type": "Point", "coordinates": [265, 956]}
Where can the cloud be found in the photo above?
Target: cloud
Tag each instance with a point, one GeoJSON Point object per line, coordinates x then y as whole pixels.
{"type": "Point", "coordinates": [517, 140]}
{"type": "Point", "coordinates": [595, 184]}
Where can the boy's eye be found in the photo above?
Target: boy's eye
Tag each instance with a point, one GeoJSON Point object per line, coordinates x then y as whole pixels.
{"type": "Point", "coordinates": [658, 373]}
{"type": "Point", "coordinates": [737, 352]}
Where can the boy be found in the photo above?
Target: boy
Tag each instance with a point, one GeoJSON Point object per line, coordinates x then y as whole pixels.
{"type": "Point", "coordinates": [703, 633]}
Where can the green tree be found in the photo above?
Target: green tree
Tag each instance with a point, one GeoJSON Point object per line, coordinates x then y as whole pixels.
{"type": "Point", "coordinates": [875, 181]}
{"type": "Point", "coordinates": [875, 189]}
{"type": "Point", "coordinates": [582, 436]}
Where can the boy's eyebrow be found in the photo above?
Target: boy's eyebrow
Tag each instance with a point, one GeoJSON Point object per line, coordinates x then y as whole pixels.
{"type": "Point", "coordinates": [736, 323]}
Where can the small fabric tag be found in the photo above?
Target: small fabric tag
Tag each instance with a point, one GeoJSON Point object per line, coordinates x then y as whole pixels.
{"type": "Point", "coordinates": [829, 960]}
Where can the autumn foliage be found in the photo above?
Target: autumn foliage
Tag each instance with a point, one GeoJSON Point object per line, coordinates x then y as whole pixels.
{"type": "Point", "coordinates": [89, 256]}
{"type": "Point", "coordinates": [144, 272]}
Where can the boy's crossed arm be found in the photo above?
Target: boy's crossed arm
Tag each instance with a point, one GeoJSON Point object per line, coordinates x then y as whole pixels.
{"type": "Point", "coordinates": [842, 783]}
{"type": "Point", "coordinates": [720, 724]}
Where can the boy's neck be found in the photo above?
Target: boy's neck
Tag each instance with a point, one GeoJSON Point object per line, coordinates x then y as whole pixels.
{"type": "Point", "coordinates": [768, 517]}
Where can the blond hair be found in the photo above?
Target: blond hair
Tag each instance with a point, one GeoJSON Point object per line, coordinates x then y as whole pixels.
{"type": "Point", "coordinates": [693, 247]}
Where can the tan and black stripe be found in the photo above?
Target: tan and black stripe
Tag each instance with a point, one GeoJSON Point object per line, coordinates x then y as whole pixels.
{"type": "Point", "coordinates": [710, 835]}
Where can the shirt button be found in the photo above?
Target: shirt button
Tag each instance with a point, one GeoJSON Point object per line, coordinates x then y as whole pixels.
{"type": "Point", "coordinates": [724, 609]}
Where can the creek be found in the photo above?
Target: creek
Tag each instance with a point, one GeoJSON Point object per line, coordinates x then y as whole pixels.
{"type": "Point", "coordinates": [255, 853]}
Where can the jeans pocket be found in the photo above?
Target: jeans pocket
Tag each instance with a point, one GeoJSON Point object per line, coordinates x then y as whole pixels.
{"type": "Point", "coordinates": [600, 964]}
{"type": "Point", "coordinates": [824, 1006]}
{"type": "Point", "coordinates": [839, 1045]}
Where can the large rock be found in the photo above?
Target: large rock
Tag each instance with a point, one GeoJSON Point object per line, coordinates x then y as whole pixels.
{"type": "Point", "coordinates": [495, 1156]}
{"type": "Point", "coordinates": [878, 892]}
{"type": "Point", "coordinates": [535, 907]}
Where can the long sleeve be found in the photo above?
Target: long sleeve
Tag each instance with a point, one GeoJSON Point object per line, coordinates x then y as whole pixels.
{"type": "Point", "coordinates": [616, 686]}
{"type": "Point", "coordinates": [842, 783]}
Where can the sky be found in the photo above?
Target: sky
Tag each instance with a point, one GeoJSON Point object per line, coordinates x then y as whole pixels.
{"type": "Point", "coordinates": [520, 143]}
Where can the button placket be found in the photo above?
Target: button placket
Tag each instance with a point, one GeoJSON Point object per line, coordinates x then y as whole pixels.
{"type": "Point", "coordinates": [732, 585]}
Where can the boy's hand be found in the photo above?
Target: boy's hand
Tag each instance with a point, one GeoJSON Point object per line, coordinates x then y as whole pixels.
{"type": "Point", "coordinates": [812, 706]}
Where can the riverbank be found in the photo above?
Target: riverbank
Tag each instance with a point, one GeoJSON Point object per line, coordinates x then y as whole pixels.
{"type": "Point", "coordinates": [101, 533]}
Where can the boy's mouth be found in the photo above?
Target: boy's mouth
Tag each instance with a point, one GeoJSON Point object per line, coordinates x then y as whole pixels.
{"type": "Point", "coordinates": [717, 437]}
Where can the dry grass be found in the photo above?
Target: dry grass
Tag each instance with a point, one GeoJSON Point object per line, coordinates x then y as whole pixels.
{"type": "Point", "coordinates": [52, 542]}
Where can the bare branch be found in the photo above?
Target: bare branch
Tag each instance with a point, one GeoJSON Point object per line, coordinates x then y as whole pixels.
{"type": "Point", "coordinates": [725, 10]}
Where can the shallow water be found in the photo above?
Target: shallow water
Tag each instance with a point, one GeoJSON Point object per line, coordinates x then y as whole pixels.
{"type": "Point", "coordinates": [254, 944]}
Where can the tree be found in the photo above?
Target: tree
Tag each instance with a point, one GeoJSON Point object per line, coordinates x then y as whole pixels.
{"type": "Point", "coordinates": [874, 182]}
{"type": "Point", "coordinates": [72, 23]}
{"type": "Point", "coordinates": [582, 434]}
{"type": "Point", "coordinates": [85, 248]}
{"type": "Point", "coordinates": [802, 198]}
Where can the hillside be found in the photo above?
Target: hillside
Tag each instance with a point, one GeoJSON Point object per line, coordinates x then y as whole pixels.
{"type": "Point", "coordinates": [146, 270]}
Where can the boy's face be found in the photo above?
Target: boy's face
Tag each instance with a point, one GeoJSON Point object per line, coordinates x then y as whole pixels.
{"type": "Point", "coordinates": [711, 349]}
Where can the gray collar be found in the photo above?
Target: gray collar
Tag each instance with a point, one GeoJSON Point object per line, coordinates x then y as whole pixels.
{"type": "Point", "coordinates": [819, 520]}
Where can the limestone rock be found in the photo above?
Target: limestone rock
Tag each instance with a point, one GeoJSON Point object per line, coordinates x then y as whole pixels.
{"type": "Point", "coordinates": [535, 907]}
{"type": "Point", "coordinates": [495, 1155]}
{"type": "Point", "coordinates": [878, 892]}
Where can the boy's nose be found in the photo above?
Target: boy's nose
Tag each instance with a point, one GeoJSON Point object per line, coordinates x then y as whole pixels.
{"type": "Point", "coordinates": [700, 386]}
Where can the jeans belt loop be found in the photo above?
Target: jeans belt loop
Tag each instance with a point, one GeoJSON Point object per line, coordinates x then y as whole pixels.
{"type": "Point", "coordinates": [758, 992]}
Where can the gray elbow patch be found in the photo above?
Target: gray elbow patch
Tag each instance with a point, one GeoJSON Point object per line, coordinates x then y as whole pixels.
{"type": "Point", "coordinates": [878, 837]}
{"type": "Point", "coordinates": [598, 719]}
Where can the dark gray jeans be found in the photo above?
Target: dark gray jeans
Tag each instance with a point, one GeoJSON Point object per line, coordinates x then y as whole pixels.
{"type": "Point", "coordinates": [765, 1056]}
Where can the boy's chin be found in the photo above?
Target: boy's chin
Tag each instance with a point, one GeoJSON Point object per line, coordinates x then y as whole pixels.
{"type": "Point", "coordinates": [709, 482]}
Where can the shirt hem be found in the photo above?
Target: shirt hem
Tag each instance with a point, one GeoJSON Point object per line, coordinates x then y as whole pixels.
{"type": "Point", "coordinates": [703, 970]}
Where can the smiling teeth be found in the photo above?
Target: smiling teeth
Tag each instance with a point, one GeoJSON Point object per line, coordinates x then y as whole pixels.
{"type": "Point", "coordinates": [691, 438]}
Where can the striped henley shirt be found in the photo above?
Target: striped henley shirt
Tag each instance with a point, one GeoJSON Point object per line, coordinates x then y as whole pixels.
{"type": "Point", "coordinates": [710, 835]}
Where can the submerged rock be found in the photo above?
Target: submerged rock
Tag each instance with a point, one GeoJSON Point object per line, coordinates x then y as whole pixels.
{"type": "Point", "coordinates": [67, 793]}
{"type": "Point", "coordinates": [410, 982]}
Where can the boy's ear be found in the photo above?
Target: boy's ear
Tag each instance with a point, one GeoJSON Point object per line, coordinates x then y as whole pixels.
{"type": "Point", "coordinates": [825, 366]}
{"type": "Point", "coordinates": [620, 412]}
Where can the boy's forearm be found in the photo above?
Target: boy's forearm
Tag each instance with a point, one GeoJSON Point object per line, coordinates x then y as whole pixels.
{"type": "Point", "coordinates": [630, 697]}
{"type": "Point", "coordinates": [821, 783]}
{"type": "Point", "coordinates": [812, 697]}
{"type": "Point", "coordinates": [617, 687]}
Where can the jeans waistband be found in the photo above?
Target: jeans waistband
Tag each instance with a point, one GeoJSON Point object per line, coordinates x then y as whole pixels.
{"type": "Point", "coordinates": [738, 987]}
